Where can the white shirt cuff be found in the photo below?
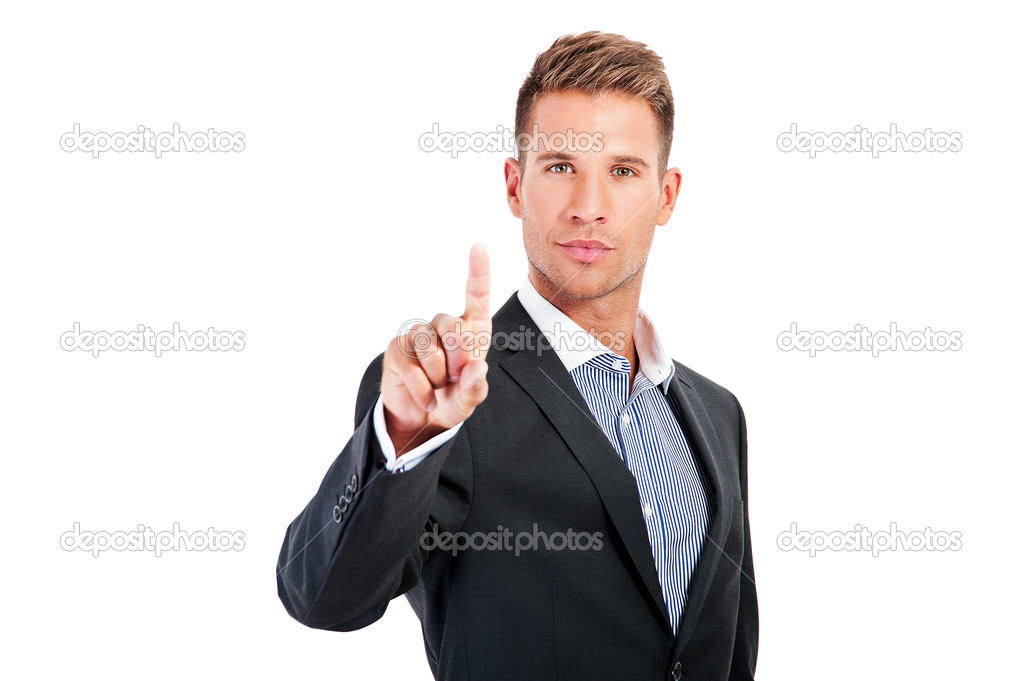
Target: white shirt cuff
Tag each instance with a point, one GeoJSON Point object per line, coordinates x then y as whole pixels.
{"type": "Point", "coordinates": [412, 457]}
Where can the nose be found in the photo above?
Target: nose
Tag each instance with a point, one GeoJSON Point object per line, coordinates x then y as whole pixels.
{"type": "Point", "coordinates": [590, 202]}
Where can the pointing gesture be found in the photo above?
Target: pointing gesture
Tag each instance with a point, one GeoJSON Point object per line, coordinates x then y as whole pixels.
{"type": "Point", "coordinates": [476, 319]}
{"type": "Point", "coordinates": [434, 376]}
{"type": "Point", "coordinates": [477, 289]}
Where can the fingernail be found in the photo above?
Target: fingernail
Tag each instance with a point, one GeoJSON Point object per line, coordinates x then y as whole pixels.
{"type": "Point", "coordinates": [453, 379]}
{"type": "Point", "coordinates": [432, 405]}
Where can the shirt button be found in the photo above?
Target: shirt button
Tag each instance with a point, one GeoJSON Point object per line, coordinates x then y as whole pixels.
{"type": "Point", "coordinates": [648, 510]}
{"type": "Point", "coordinates": [625, 419]}
{"type": "Point", "coordinates": [616, 365]}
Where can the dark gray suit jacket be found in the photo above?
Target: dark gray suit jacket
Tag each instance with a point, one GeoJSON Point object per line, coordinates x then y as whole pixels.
{"type": "Point", "coordinates": [531, 455]}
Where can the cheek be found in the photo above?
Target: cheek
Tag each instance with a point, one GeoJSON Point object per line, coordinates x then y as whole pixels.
{"type": "Point", "coordinates": [542, 206]}
{"type": "Point", "coordinates": [643, 201]}
{"type": "Point", "coordinates": [643, 209]}
{"type": "Point", "coordinates": [531, 233]}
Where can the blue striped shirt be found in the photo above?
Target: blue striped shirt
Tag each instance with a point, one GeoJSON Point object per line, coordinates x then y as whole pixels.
{"type": "Point", "coordinates": [643, 429]}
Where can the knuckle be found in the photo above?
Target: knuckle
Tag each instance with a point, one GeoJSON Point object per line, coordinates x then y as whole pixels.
{"type": "Point", "coordinates": [422, 394]}
{"type": "Point", "coordinates": [420, 340]}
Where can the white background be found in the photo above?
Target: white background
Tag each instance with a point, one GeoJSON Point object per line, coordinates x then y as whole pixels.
{"type": "Point", "coordinates": [332, 227]}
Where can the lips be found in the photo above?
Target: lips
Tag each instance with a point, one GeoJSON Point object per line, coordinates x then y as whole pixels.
{"type": "Point", "coordinates": [586, 250]}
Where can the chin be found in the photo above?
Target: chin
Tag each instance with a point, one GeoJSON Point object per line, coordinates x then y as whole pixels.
{"type": "Point", "coordinates": [575, 280]}
{"type": "Point", "coordinates": [582, 290]}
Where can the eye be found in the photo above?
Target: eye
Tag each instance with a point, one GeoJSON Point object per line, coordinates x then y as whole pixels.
{"type": "Point", "coordinates": [629, 172]}
{"type": "Point", "coordinates": [564, 168]}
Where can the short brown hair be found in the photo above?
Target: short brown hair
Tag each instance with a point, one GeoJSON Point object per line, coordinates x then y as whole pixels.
{"type": "Point", "coordinates": [594, 63]}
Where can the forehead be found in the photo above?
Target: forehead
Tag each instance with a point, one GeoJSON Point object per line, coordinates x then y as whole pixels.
{"type": "Point", "coordinates": [622, 121]}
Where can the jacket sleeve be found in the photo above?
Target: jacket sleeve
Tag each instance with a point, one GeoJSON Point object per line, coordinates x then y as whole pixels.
{"type": "Point", "coordinates": [747, 628]}
{"type": "Point", "coordinates": [356, 545]}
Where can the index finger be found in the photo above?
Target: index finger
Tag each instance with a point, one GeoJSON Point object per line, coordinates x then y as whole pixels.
{"type": "Point", "coordinates": [477, 288]}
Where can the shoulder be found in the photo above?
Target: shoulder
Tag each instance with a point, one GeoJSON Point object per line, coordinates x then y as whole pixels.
{"type": "Point", "coordinates": [715, 396]}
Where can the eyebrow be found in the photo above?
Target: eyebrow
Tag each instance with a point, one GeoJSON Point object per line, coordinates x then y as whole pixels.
{"type": "Point", "coordinates": [562, 156]}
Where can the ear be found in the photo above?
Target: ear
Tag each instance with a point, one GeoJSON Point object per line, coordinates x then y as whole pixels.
{"type": "Point", "coordinates": [669, 195]}
{"type": "Point", "coordinates": [512, 181]}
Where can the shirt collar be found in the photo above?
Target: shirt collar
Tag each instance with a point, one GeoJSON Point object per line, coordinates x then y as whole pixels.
{"type": "Point", "coordinates": [574, 346]}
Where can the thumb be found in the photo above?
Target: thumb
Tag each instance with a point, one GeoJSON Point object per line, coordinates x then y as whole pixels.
{"type": "Point", "coordinates": [472, 387]}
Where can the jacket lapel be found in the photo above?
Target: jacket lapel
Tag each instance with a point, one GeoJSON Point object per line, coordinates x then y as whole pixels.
{"type": "Point", "coordinates": [703, 442]}
{"type": "Point", "coordinates": [541, 374]}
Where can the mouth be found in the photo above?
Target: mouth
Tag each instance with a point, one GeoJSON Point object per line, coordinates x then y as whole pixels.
{"type": "Point", "coordinates": [586, 250]}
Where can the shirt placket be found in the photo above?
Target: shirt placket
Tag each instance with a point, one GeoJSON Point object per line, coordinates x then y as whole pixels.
{"type": "Point", "coordinates": [638, 457]}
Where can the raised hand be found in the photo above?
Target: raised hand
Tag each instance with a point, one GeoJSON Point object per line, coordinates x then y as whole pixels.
{"type": "Point", "coordinates": [434, 376]}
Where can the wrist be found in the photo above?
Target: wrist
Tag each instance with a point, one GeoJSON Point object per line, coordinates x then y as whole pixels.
{"type": "Point", "coordinates": [405, 440]}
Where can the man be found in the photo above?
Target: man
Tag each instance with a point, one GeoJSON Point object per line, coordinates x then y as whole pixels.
{"type": "Point", "coordinates": [552, 509]}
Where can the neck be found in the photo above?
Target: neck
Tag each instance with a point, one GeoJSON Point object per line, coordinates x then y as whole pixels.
{"type": "Point", "coordinates": [610, 318]}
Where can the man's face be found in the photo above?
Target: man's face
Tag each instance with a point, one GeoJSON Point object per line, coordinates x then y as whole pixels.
{"type": "Point", "coordinates": [588, 217]}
